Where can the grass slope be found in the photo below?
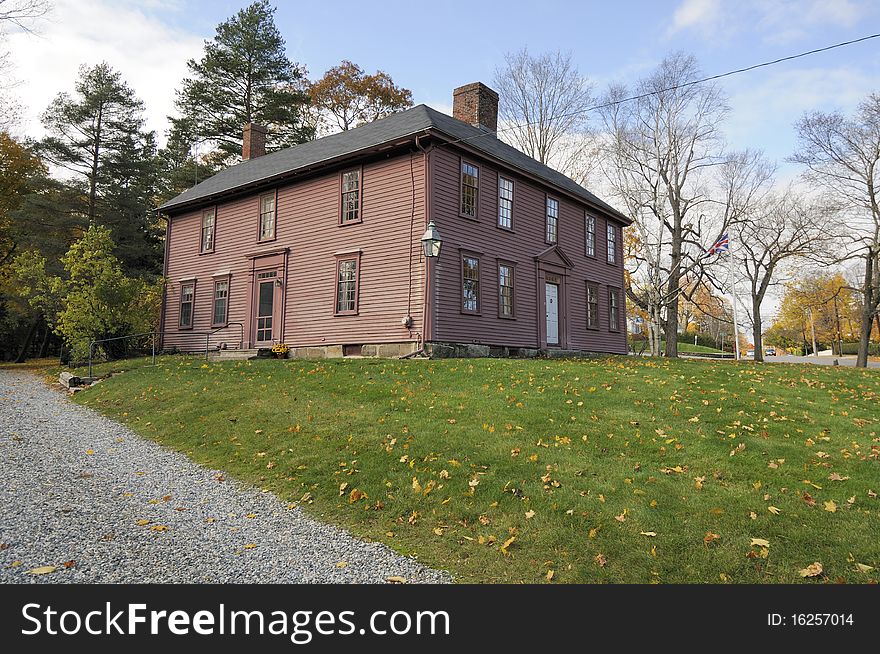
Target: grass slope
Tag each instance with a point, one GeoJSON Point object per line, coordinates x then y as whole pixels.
{"type": "Point", "coordinates": [624, 470]}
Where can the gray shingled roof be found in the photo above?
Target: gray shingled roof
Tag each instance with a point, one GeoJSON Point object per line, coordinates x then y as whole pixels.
{"type": "Point", "coordinates": [393, 128]}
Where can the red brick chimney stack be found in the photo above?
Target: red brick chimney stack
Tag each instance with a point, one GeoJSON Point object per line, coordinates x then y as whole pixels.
{"type": "Point", "coordinates": [254, 142]}
{"type": "Point", "coordinates": [476, 104]}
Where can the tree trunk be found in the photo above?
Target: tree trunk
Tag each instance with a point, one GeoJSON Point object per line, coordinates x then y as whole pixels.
{"type": "Point", "coordinates": [867, 312]}
{"type": "Point", "coordinates": [672, 313]}
{"type": "Point", "coordinates": [22, 353]}
{"type": "Point", "coordinates": [44, 346]}
{"type": "Point", "coordinates": [757, 337]}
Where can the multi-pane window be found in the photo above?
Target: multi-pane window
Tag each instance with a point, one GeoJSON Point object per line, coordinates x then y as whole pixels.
{"type": "Point", "coordinates": [267, 217]}
{"type": "Point", "coordinates": [612, 243]}
{"type": "Point", "coordinates": [187, 297]}
{"type": "Point", "coordinates": [351, 196]}
{"type": "Point", "coordinates": [592, 306]}
{"type": "Point", "coordinates": [590, 228]}
{"type": "Point", "coordinates": [346, 286]}
{"type": "Point", "coordinates": [470, 189]}
{"type": "Point", "coordinates": [221, 301]}
{"type": "Point", "coordinates": [613, 309]}
{"type": "Point", "coordinates": [552, 220]}
{"type": "Point", "coordinates": [470, 284]}
{"type": "Point", "coordinates": [505, 290]}
{"type": "Point", "coordinates": [505, 203]}
{"type": "Point", "coordinates": [209, 218]}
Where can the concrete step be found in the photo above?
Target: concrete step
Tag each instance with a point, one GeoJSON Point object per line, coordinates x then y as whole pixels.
{"type": "Point", "coordinates": [238, 355]}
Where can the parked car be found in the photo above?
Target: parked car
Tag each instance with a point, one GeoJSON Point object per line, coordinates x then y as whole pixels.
{"type": "Point", "coordinates": [770, 352]}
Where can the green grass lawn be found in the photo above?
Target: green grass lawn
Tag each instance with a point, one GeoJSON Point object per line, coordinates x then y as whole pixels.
{"type": "Point", "coordinates": [618, 469]}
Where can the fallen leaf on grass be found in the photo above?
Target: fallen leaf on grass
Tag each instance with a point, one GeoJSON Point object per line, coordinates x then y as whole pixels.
{"type": "Point", "coordinates": [774, 510]}
{"type": "Point", "coordinates": [836, 477]}
{"type": "Point", "coordinates": [507, 544]}
{"type": "Point", "coordinates": [600, 560]}
{"type": "Point", "coordinates": [864, 568]}
{"type": "Point", "coordinates": [710, 538]}
{"type": "Point", "coordinates": [831, 506]}
{"type": "Point", "coordinates": [650, 534]}
{"type": "Point", "coordinates": [355, 495]}
{"type": "Point", "coordinates": [808, 499]}
{"type": "Point", "coordinates": [760, 542]}
{"type": "Point", "coordinates": [549, 575]}
{"type": "Point", "coordinates": [530, 514]}
{"type": "Point", "coordinates": [812, 570]}
{"type": "Point", "coordinates": [42, 570]}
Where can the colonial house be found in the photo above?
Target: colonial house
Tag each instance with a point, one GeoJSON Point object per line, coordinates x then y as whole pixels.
{"type": "Point", "coordinates": [320, 246]}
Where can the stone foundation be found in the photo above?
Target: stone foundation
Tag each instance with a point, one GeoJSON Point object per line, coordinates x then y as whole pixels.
{"type": "Point", "coordinates": [434, 350]}
{"type": "Point", "coordinates": [380, 350]}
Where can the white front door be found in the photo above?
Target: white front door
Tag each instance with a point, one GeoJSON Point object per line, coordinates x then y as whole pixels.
{"type": "Point", "coordinates": [551, 302]}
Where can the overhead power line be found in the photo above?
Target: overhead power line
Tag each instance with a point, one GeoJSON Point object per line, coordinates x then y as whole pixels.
{"type": "Point", "coordinates": [702, 80]}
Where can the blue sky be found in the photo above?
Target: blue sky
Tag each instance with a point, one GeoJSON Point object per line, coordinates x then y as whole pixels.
{"type": "Point", "coordinates": [431, 48]}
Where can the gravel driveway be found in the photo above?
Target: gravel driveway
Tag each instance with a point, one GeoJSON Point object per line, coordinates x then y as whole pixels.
{"type": "Point", "coordinates": [84, 494]}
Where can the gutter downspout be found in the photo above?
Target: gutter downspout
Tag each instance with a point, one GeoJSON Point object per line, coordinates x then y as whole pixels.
{"type": "Point", "coordinates": [428, 305]}
{"type": "Point", "coordinates": [162, 310]}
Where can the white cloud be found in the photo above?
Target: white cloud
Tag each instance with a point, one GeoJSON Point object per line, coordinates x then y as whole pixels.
{"type": "Point", "coordinates": [696, 14]}
{"type": "Point", "coordinates": [776, 21]}
{"type": "Point", "coordinates": [150, 55]}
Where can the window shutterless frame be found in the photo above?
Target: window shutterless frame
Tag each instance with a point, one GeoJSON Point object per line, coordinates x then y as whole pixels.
{"type": "Point", "coordinates": [613, 309]}
{"type": "Point", "coordinates": [268, 216]}
{"type": "Point", "coordinates": [611, 239]}
{"type": "Point", "coordinates": [505, 203]}
{"type": "Point", "coordinates": [589, 235]}
{"type": "Point", "coordinates": [348, 272]}
{"type": "Point", "coordinates": [187, 304]}
{"type": "Point", "coordinates": [220, 303]}
{"type": "Point", "coordinates": [592, 305]}
{"type": "Point", "coordinates": [351, 196]}
{"type": "Point", "coordinates": [470, 283]}
{"type": "Point", "coordinates": [551, 220]}
{"type": "Point", "coordinates": [506, 290]}
{"type": "Point", "coordinates": [208, 233]}
{"type": "Point", "coordinates": [469, 190]}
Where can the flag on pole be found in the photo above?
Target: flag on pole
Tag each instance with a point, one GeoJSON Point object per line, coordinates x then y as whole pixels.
{"type": "Point", "coordinates": [721, 245]}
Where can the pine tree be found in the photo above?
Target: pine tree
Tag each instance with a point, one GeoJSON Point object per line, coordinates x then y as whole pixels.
{"type": "Point", "coordinates": [243, 77]}
{"type": "Point", "coordinates": [98, 135]}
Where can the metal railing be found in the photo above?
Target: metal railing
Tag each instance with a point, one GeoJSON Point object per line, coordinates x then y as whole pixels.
{"type": "Point", "coordinates": [153, 338]}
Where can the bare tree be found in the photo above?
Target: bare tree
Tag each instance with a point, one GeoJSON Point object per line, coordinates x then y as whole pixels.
{"type": "Point", "coordinates": [543, 103]}
{"type": "Point", "coordinates": [783, 228]}
{"type": "Point", "coordinates": [842, 155]}
{"type": "Point", "coordinates": [660, 148]}
{"type": "Point", "coordinates": [22, 13]}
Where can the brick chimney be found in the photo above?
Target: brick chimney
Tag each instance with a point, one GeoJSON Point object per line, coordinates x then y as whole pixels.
{"type": "Point", "coordinates": [476, 104]}
{"type": "Point", "coordinates": [254, 142]}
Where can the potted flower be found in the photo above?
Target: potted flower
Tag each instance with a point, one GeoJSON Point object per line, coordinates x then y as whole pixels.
{"type": "Point", "coordinates": [280, 350]}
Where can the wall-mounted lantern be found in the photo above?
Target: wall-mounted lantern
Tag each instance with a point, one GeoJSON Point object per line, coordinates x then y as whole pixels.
{"type": "Point", "coordinates": [431, 241]}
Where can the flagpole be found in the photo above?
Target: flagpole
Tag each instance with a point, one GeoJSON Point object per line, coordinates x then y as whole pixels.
{"type": "Point", "coordinates": [733, 294]}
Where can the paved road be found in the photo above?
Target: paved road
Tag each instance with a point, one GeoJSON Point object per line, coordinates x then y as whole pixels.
{"type": "Point", "coordinates": [86, 495]}
{"type": "Point", "coordinates": [821, 360]}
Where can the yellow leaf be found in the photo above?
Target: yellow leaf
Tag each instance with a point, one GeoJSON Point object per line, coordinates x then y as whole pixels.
{"type": "Point", "coordinates": [831, 506]}
{"type": "Point", "coordinates": [864, 568]}
{"type": "Point", "coordinates": [342, 564]}
{"type": "Point", "coordinates": [507, 544]}
{"type": "Point", "coordinates": [648, 533]}
{"type": "Point", "coordinates": [416, 486]}
{"type": "Point", "coordinates": [250, 546]}
{"type": "Point", "coordinates": [530, 514]}
{"type": "Point", "coordinates": [42, 570]}
{"type": "Point", "coordinates": [550, 574]}
{"type": "Point", "coordinates": [142, 523]}
{"type": "Point", "coordinates": [594, 532]}
{"type": "Point", "coordinates": [89, 452]}
{"type": "Point", "coordinates": [773, 510]}
{"type": "Point", "coordinates": [760, 542]}
{"type": "Point", "coordinates": [158, 528]}
{"type": "Point", "coordinates": [395, 579]}
{"type": "Point", "coordinates": [812, 570]}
